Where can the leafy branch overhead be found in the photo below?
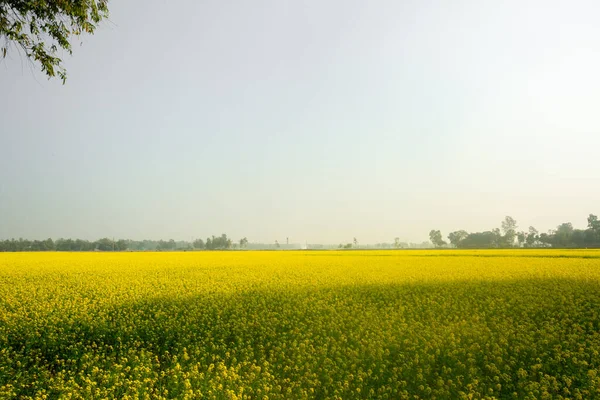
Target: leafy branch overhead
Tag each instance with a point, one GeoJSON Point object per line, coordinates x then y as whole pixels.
{"type": "Point", "coordinates": [41, 27]}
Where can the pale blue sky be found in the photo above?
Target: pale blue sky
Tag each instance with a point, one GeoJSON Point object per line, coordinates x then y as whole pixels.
{"type": "Point", "coordinates": [314, 120]}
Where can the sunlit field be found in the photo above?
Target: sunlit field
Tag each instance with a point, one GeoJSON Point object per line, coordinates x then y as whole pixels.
{"type": "Point", "coordinates": [293, 325]}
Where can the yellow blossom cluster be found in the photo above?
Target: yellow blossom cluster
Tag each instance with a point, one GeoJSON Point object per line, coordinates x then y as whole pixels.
{"type": "Point", "coordinates": [522, 324]}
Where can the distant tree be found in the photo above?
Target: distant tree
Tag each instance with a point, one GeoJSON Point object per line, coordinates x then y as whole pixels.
{"type": "Point", "coordinates": [49, 244]}
{"type": "Point", "coordinates": [521, 237]}
{"type": "Point", "coordinates": [480, 240]}
{"type": "Point", "coordinates": [355, 242]}
{"type": "Point", "coordinates": [104, 244]}
{"type": "Point", "coordinates": [563, 235]}
{"type": "Point", "coordinates": [218, 242]}
{"type": "Point", "coordinates": [348, 246]}
{"type": "Point", "coordinates": [593, 223]}
{"type": "Point", "coordinates": [546, 239]}
{"type": "Point", "coordinates": [34, 245]}
{"type": "Point", "coordinates": [578, 238]}
{"type": "Point", "coordinates": [84, 245]}
{"type": "Point", "coordinates": [39, 28]}
{"type": "Point", "coordinates": [243, 242]}
{"type": "Point", "coordinates": [593, 237]}
{"type": "Point", "coordinates": [121, 245]}
{"type": "Point", "coordinates": [509, 230]}
{"type": "Point", "coordinates": [532, 237]}
{"type": "Point", "coordinates": [397, 242]}
{"type": "Point", "coordinates": [508, 224]}
{"type": "Point", "coordinates": [277, 244]}
{"type": "Point", "coordinates": [198, 244]}
{"type": "Point", "coordinates": [226, 242]}
{"type": "Point", "coordinates": [457, 237]}
{"type": "Point", "coordinates": [63, 244]}
{"type": "Point", "coordinates": [497, 239]}
{"type": "Point", "coordinates": [436, 238]}
{"type": "Point", "coordinates": [166, 245]}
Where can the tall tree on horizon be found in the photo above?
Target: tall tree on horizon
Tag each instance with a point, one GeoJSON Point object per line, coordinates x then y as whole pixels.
{"type": "Point", "coordinates": [436, 238]}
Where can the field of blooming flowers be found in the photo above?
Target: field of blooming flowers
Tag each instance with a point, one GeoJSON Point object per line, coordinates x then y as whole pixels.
{"type": "Point", "coordinates": [293, 325]}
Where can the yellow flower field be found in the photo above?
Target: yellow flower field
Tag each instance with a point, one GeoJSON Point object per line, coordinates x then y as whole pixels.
{"type": "Point", "coordinates": [522, 324]}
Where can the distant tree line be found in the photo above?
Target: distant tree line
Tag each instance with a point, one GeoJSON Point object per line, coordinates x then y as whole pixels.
{"type": "Point", "coordinates": [564, 236]}
{"type": "Point", "coordinates": [105, 244]}
{"type": "Point", "coordinates": [507, 236]}
{"type": "Point", "coordinates": [219, 243]}
{"type": "Point", "coordinates": [353, 245]}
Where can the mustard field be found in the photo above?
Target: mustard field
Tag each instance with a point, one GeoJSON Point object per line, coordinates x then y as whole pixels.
{"type": "Point", "coordinates": [512, 324]}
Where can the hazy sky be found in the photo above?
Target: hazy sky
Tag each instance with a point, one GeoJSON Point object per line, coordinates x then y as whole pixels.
{"type": "Point", "coordinates": [314, 120]}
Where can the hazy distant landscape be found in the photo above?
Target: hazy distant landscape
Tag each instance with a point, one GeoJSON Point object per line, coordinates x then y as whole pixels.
{"type": "Point", "coordinates": [299, 199]}
{"type": "Point", "coordinates": [506, 237]}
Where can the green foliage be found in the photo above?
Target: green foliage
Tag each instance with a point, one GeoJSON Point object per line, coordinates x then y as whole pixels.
{"type": "Point", "coordinates": [436, 238]}
{"type": "Point", "coordinates": [565, 236]}
{"type": "Point", "coordinates": [521, 237]}
{"type": "Point", "coordinates": [593, 222]}
{"type": "Point", "coordinates": [509, 230]}
{"type": "Point", "coordinates": [457, 237]}
{"type": "Point", "coordinates": [41, 27]}
{"type": "Point", "coordinates": [166, 245]}
{"type": "Point", "coordinates": [105, 244]}
{"type": "Point", "coordinates": [532, 237]}
{"type": "Point", "coordinates": [218, 243]}
{"type": "Point", "coordinates": [594, 227]}
{"type": "Point", "coordinates": [479, 240]}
